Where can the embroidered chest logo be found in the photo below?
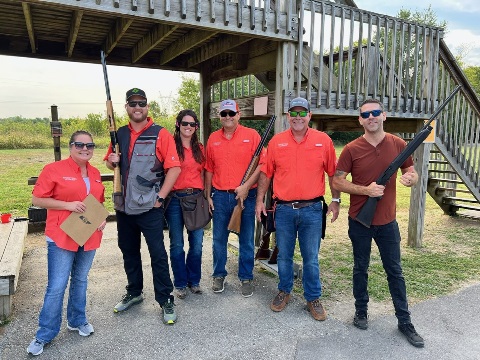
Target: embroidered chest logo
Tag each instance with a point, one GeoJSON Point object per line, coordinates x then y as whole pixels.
{"type": "Point", "coordinates": [282, 145]}
{"type": "Point", "coordinates": [69, 178]}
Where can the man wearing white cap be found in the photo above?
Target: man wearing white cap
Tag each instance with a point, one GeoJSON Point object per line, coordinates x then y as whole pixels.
{"type": "Point", "coordinates": [229, 152]}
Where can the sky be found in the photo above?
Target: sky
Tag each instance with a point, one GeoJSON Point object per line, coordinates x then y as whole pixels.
{"type": "Point", "coordinates": [31, 86]}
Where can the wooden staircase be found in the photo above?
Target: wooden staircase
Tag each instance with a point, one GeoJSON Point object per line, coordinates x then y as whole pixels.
{"type": "Point", "coordinates": [448, 189]}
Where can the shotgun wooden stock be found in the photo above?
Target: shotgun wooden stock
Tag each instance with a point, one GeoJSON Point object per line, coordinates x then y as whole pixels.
{"type": "Point", "coordinates": [236, 218]}
{"type": "Point", "coordinates": [117, 196]}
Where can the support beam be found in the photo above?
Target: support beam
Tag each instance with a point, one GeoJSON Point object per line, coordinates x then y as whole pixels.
{"type": "Point", "coordinates": [418, 194]}
{"type": "Point", "coordinates": [184, 44]}
{"type": "Point", "coordinates": [115, 34]}
{"type": "Point", "coordinates": [74, 27]}
{"type": "Point", "coordinates": [216, 47]}
{"type": "Point", "coordinates": [29, 23]}
{"type": "Point", "coordinates": [150, 40]}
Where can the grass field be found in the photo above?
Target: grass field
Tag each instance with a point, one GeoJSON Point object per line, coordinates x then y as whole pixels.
{"type": "Point", "coordinates": [448, 260]}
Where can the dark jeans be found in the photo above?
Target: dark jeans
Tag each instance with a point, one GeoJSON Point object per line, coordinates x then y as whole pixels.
{"type": "Point", "coordinates": [130, 228]}
{"type": "Point", "coordinates": [387, 238]}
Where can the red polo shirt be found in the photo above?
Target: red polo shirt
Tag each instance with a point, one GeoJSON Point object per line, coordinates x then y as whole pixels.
{"type": "Point", "coordinates": [228, 159]}
{"type": "Point", "coordinates": [299, 168]}
{"type": "Point", "coordinates": [190, 177]}
{"type": "Point", "coordinates": [62, 180]}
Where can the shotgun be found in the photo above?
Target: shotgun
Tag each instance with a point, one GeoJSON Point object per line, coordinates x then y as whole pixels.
{"type": "Point", "coordinates": [236, 218]}
{"type": "Point", "coordinates": [367, 212]}
{"type": "Point", "coordinates": [117, 196]}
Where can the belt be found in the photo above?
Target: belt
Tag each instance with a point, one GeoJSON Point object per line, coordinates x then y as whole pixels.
{"type": "Point", "coordinates": [230, 191]}
{"type": "Point", "coordinates": [186, 191]}
{"type": "Point", "coordinates": [298, 204]}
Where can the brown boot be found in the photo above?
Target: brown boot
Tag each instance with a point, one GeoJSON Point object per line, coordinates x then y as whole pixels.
{"type": "Point", "coordinates": [280, 301]}
{"type": "Point", "coordinates": [316, 309]}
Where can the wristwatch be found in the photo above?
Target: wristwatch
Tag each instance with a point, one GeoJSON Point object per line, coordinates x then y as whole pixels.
{"type": "Point", "coordinates": [338, 200]}
{"type": "Point", "coordinates": [160, 199]}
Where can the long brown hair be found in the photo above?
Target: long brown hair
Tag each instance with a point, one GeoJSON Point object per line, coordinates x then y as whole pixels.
{"type": "Point", "coordinates": [196, 150]}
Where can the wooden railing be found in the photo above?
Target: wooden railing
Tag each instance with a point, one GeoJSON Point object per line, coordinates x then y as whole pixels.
{"type": "Point", "coordinates": [458, 127]}
{"type": "Point", "coordinates": [353, 54]}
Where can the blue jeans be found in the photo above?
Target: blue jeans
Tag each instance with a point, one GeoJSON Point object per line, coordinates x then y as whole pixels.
{"type": "Point", "coordinates": [224, 202]}
{"type": "Point", "coordinates": [62, 265]}
{"type": "Point", "coordinates": [130, 228]}
{"type": "Point", "coordinates": [388, 239]}
{"type": "Point", "coordinates": [186, 272]}
{"type": "Point", "coordinates": [306, 223]}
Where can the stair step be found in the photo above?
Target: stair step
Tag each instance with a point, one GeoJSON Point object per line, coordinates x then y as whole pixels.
{"type": "Point", "coordinates": [442, 171]}
{"type": "Point", "coordinates": [435, 161]}
{"type": "Point", "coordinates": [467, 207]}
{"type": "Point", "coordinates": [454, 198]}
{"type": "Point", "coordinates": [447, 180]}
{"type": "Point", "coordinates": [466, 191]}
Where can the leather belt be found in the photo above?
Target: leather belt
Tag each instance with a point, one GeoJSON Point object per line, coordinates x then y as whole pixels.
{"type": "Point", "coordinates": [298, 204]}
{"type": "Point", "coordinates": [186, 191]}
{"type": "Point", "coordinates": [230, 191]}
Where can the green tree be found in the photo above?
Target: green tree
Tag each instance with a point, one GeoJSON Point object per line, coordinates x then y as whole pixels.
{"type": "Point", "coordinates": [473, 75]}
{"type": "Point", "coordinates": [188, 94]}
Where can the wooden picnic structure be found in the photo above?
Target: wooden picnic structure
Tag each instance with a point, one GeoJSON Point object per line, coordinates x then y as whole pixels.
{"type": "Point", "coordinates": [333, 53]}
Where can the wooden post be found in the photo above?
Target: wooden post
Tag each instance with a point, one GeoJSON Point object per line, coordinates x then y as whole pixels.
{"type": "Point", "coordinates": [56, 130]}
{"type": "Point", "coordinates": [418, 194]}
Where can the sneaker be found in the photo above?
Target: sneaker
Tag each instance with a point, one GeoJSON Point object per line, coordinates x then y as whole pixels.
{"type": "Point", "coordinates": [181, 293]}
{"type": "Point", "coordinates": [168, 310]}
{"type": "Point", "coordinates": [247, 288]}
{"type": "Point", "coordinates": [280, 301]}
{"type": "Point", "coordinates": [316, 310]}
{"type": "Point", "coordinates": [83, 330]}
{"type": "Point", "coordinates": [218, 284]}
{"type": "Point", "coordinates": [35, 348]}
{"type": "Point", "coordinates": [196, 289]}
{"type": "Point", "coordinates": [127, 301]}
{"type": "Point", "coordinates": [360, 320]}
{"type": "Point", "coordinates": [411, 334]}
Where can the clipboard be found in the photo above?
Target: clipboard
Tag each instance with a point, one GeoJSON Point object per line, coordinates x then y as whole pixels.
{"type": "Point", "coordinates": [81, 226]}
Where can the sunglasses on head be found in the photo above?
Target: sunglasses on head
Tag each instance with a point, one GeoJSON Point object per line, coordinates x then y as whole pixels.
{"type": "Point", "coordinates": [191, 124]}
{"type": "Point", "coordinates": [366, 114]}
{"type": "Point", "coordinates": [133, 104]}
{"type": "Point", "coordinates": [80, 145]}
{"type": "Point", "coordinates": [229, 113]}
{"type": "Point", "coordinates": [301, 113]}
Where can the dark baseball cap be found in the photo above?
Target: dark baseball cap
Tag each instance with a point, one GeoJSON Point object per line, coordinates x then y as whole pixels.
{"type": "Point", "coordinates": [135, 91]}
{"type": "Point", "coordinates": [299, 101]}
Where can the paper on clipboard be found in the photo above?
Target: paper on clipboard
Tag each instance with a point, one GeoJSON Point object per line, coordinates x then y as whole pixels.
{"type": "Point", "coordinates": [81, 226]}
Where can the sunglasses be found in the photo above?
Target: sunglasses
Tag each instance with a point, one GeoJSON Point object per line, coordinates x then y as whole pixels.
{"type": "Point", "coordinates": [80, 145]}
{"type": "Point", "coordinates": [191, 124]}
{"type": "Point", "coordinates": [133, 104]}
{"type": "Point", "coordinates": [366, 114]}
{"type": "Point", "coordinates": [295, 113]}
{"type": "Point", "coordinates": [229, 113]}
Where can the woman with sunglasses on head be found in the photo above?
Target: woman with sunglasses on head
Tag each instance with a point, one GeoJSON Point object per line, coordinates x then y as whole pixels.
{"type": "Point", "coordinates": [61, 188]}
{"type": "Point", "coordinates": [187, 270]}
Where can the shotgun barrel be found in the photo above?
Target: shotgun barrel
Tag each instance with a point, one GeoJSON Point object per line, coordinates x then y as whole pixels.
{"type": "Point", "coordinates": [117, 196]}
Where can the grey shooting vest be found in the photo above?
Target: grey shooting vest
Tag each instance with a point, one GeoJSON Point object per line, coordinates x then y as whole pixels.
{"type": "Point", "coordinates": [143, 175]}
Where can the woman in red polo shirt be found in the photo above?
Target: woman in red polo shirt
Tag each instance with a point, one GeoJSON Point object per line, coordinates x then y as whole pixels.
{"type": "Point", "coordinates": [186, 271]}
{"type": "Point", "coordinates": [61, 188]}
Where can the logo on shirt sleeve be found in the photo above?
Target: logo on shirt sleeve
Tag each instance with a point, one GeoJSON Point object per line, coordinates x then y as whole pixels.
{"type": "Point", "coordinates": [319, 145]}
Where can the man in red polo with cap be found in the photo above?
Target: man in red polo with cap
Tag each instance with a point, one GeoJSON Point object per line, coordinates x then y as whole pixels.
{"type": "Point", "coordinates": [298, 159]}
{"type": "Point", "coordinates": [229, 152]}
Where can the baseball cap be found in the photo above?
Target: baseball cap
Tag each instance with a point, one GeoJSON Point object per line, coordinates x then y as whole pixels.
{"type": "Point", "coordinates": [299, 101]}
{"type": "Point", "coordinates": [135, 91]}
{"type": "Point", "coordinates": [228, 105]}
